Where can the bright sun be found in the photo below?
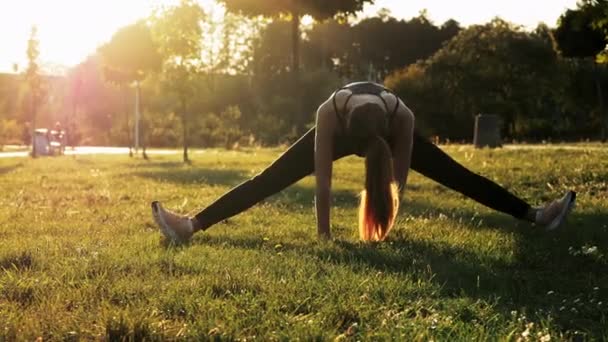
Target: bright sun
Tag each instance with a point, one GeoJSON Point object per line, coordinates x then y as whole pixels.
{"type": "Point", "coordinates": [68, 30]}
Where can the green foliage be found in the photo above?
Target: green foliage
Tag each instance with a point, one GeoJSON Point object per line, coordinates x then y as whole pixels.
{"type": "Point", "coordinates": [131, 56]}
{"type": "Point", "coordinates": [319, 9]}
{"type": "Point", "coordinates": [294, 10]}
{"type": "Point", "coordinates": [12, 91]}
{"type": "Point", "coordinates": [580, 100]}
{"type": "Point", "coordinates": [270, 57]}
{"type": "Point", "coordinates": [273, 121]}
{"type": "Point", "coordinates": [270, 128]}
{"type": "Point", "coordinates": [95, 102]}
{"type": "Point", "coordinates": [601, 19]}
{"type": "Point", "coordinates": [236, 36]}
{"type": "Point", "coordinates": [221, 129]}
{"type": "Point", "coordinates": [493, 69]}
{"type": "Point", "coordinates": [10, 132]}
{"type": "Point", "coordinates": [445, 74]}
{"type": "Point", "coordinates": [581, 32]}
{"type": "Point", "coordinates": [369, 49]}
{"type": "Point", "coordinates": [81, 258]}
{"type": "Point", "coordinates": [32, 72]}
{"type": "Point", "coordinates": [177, 29]}
{"type": "Point", "coordinates": [163, 129]}
{"type": "Point", "coordinates": [386, 44]}
{"type": "Point", "coordinates": [35, 83]}
{"type": "Point", "coordinates": [231, 131]}
{"type": "Point", "coordinates": [131, 53]}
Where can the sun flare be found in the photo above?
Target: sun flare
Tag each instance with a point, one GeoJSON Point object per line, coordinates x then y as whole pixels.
{"type": "Point", "coordinates": [68, 30]}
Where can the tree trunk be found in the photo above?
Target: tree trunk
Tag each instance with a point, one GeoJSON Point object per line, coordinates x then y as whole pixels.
{"type": "Point", "coordinates": [185, 131]}
{"type": "Point", "coordinates": [600, 100]}
{"type": "Point", "coordinates": [71, 132]}
{"type": "Point", "coordinates": [142, 128]}
{"type": "Point", "coordinates": [137, 117]}
{"type": "Point", "coordinates": [34, 152]}
{"type": "Point", "coordinates": [145, 155]}
{"type": "Point", "coordinates": [300, 119]}
{"type": "Point", "coordinates": [126, 109]}
{"type": "Point", "coordinates": [186, 159]}
{"type": "Point", "coordinates": [295, 31]}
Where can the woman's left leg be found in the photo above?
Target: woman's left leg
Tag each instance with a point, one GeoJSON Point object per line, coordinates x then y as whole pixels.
{"type": "Point", "coordinates": [432, 162]}
{"type": "Point", "coordinates": [294, 164]}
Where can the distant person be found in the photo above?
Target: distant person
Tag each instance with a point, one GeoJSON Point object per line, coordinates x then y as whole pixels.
{"type": "Point", "coordinates": [370, 121]}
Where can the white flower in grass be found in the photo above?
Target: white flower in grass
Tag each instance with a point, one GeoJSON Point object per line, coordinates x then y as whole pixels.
{"type": "Point", "coordinates": [589, 250]}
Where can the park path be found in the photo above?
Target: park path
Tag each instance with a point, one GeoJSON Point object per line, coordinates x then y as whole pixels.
{"type": "Point", "coordinates": [93, 150]}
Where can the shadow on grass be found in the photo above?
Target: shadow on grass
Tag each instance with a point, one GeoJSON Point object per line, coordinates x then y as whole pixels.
{"type": "Point", "coordinates": [151, 164]}
{"type": "Point", "coordinates": [298, 196]}
{"type": "Point", "coordinates": [10, 168]}
{"type": "Point", "coordinates": [293, 197]}
{"type": "Point", "coordinates": [549, 274]}
{"type": "Point", "coordinates": [192, 176]}
{"type": "Point", "coordinates": [492, 220]}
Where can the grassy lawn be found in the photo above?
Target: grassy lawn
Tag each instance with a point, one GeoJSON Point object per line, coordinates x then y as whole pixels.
{"type": "Point", "coordinates": [80, 256]}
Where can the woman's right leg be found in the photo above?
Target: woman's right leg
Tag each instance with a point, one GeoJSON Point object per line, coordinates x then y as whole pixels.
{"type": "Point", "coordinates": [432, 162]}
{"type": "Point", "coordinates": [296, 163]}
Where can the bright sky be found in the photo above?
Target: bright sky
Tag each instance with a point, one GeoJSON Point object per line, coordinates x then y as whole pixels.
{"type": "Point", "coordinates": [524, 12]}
{"type": "Point", "coordinates": [70, 30]}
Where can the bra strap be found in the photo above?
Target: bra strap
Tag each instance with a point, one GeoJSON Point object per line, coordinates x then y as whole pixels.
{"type": "Point", "coordinates": [340, 116]}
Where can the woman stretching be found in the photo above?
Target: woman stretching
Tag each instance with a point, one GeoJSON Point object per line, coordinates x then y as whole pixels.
{"type": "Point", "coordinates": [370, 121]}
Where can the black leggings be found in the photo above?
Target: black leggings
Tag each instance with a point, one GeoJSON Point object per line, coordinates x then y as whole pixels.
{"type": "Point", "coordinates": [298, 162]}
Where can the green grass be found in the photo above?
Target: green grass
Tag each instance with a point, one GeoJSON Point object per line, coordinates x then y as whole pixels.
{"type": "Point", "coordinates": [80, 257]}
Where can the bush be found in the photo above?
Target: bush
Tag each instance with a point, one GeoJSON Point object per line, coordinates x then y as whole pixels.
{"type": "Point", "coordinates": [10, 132]}
{"type": "Point", "coordinates": [214, 130]}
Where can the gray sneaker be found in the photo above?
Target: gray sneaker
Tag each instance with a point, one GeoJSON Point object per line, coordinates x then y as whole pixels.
{"type": "Point", "coordinates": [553, 215]}
{"type": "Point", "coordinates": [175, 227]}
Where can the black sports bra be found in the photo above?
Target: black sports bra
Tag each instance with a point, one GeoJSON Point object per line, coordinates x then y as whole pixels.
{"type": "Point", "coordinates": [371, 88]}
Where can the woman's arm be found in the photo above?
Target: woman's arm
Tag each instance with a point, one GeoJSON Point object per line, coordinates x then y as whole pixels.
{"type": "Point", "coordinates": [324, 145]}
{"type": "Point", "coordinates": [403, 137]}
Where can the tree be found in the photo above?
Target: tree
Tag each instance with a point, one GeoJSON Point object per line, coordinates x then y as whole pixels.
{"type": "Point", "coordinates": [121, 80]}
{"type": "Point", "coordinates": [494, 68]}
{"type": "Point", "coordinates": [130, 56]}
{"type": "Point", "coordinates": [178, 31]}
{"type": "Point", "coordinates": [385, 44]}
{"type": "Point", "coordinates": [582, 33]}
{"type": "Point", "coordinates": [237, 34]}
{"type": "Point", "coordinates": [93, 103]}
{"type": "Point", "coordinates": [601, 20]}
{"type": "Point", "coordinates": [375, 47]}
{"type": "Point", "coordinates": [34, 81]}
{"type": "Point", "coordinates": [328, 46]}
{"type": "Point", "coordinates": [270, 57]}
{"type": "Point", "coordinates": [10, 92]}
{"type": "Point", "coordinates": [294, 10]}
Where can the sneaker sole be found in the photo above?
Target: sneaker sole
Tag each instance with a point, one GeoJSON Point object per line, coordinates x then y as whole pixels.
{"type": "Point", "coordinates": [164, 227]}
{"type": "Point", "coordinates": [559, 220]}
